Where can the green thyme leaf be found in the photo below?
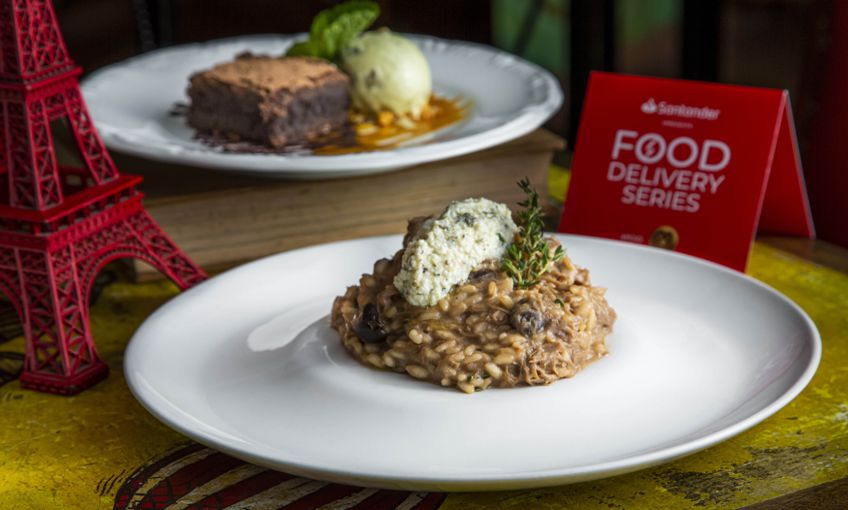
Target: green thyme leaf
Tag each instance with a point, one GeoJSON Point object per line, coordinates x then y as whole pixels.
{"type": "Point", "coordinates": [530, 255]}
{"type": "Point", "coordinates": [332, 29]}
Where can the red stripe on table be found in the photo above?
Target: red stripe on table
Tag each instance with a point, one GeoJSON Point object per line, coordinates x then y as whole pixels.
{"type": "Point", "coordinates": [322, 497]}
{"type": "Point", "coordinates": [432, 501]}
{"type": "Point", "coordinates": [137, 479]}
{"type": "Point", "coordinates": [383, 500]}
{"type": "Point", "coordinates": [186, 479]}
{"type": "Point", "coordinates": [241, 490]}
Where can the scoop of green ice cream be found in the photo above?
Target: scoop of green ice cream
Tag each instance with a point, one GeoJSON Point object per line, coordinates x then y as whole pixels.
{"type": "Point", "coordinates": [387, 72]}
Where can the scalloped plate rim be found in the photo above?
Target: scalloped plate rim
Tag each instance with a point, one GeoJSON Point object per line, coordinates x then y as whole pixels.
{"type": "Point", "coordinates": [522, 121]}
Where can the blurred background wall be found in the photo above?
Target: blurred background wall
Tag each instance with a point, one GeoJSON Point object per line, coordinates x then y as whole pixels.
{"type": "Point", "coordinates": [798, 45]}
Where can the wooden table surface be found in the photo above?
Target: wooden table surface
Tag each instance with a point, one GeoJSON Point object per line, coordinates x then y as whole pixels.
{"type": "Point", "coordinates": [101, 449]}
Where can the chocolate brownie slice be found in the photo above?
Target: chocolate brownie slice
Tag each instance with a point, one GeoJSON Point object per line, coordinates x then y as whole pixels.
{"type": "Point", "coordinates": [271, 101]}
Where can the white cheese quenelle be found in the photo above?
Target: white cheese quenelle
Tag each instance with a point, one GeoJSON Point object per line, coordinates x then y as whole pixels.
{"type": "Point", "coordinates": [446, 249]}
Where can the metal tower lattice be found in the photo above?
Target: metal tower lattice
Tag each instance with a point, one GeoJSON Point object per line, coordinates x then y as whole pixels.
{"type": "Point", "coordinates": [59, 226]}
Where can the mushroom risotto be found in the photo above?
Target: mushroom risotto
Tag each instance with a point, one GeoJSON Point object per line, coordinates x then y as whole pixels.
{"type": "Point", "coordinates": [474, 301]}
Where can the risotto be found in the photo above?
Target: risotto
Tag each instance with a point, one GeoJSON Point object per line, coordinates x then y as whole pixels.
{"type": "Point", "coordinates": [485, 332]}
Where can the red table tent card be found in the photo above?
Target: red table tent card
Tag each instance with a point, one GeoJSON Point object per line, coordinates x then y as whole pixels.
{"type": "Point", "coordinates": [684, 165]}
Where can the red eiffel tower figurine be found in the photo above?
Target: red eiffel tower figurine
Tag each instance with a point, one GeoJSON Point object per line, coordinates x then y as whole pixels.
{"type": "Point", "coordinates": [59, 225]}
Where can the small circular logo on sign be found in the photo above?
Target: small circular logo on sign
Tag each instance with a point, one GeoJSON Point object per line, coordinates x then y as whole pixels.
{"type": "Point", "coordinates": [665, 237]}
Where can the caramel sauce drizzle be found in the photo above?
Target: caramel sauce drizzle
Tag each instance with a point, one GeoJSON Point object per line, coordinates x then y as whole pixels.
{"type": "Point", "coordinates": [385, 132]}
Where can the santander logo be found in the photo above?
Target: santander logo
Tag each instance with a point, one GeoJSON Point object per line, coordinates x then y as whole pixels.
{"type": "Point", "coordinates": [651, 107]}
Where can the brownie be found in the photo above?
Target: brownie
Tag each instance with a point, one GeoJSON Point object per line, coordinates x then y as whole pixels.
{"type": "Point", "coordinates": [268, 100]}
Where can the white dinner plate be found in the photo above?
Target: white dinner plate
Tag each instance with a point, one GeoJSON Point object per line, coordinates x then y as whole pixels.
{"type": "Point", "coordinates": [247, 363]}
{"type": "Point", "coordinates": [131, 102]}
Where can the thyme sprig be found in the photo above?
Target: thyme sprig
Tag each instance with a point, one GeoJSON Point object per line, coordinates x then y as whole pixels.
{"type": "Point", "coordinates": [530, 254]}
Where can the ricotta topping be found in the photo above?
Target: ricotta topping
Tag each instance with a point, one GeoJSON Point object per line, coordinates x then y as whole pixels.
{"type": "Point", "coordinates": [446, 249]}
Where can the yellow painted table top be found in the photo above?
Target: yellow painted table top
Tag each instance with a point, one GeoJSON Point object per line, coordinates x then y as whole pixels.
{"type": "Point", "coordinates": [83, 451]}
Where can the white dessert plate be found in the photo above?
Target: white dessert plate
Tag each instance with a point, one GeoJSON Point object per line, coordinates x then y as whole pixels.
{"type": "Point", "coordinates": [247, 363]}
{"type": "Point", "coordinates": [131, 102]}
